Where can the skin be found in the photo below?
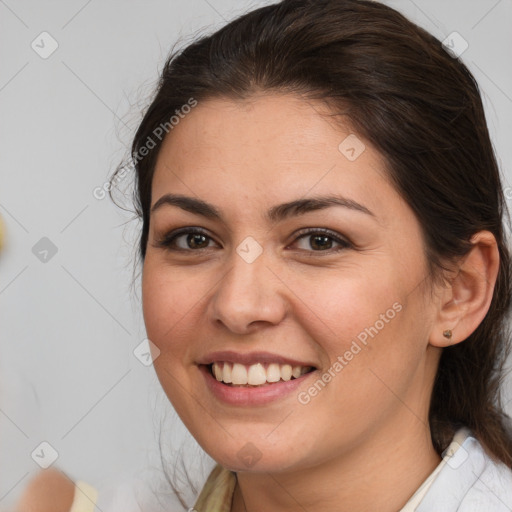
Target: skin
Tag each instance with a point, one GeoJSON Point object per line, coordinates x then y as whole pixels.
{"type": "Point", "coordinates": [49, 491]}
{"type": "Point", "coordinates": [365, 438]}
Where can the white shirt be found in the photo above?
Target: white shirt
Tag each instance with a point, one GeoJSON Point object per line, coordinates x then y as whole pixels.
{"type": "Point", "coordinates": [466, 480]}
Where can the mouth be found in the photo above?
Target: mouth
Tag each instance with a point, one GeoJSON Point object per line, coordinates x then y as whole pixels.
{"type": "Point", "coordinates": [258, 378]}
{"type": "Point", "coordinates": [256, 375]}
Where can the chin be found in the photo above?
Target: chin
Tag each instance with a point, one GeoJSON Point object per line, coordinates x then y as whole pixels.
{"type": "Point", "coordinates": [256, 457]}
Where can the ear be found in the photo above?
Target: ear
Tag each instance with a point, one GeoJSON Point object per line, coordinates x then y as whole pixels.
{"type": "Point", "coordinates": [465, 300]}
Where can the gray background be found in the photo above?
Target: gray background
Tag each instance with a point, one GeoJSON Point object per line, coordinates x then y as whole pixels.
{"type": "Point", "coordinates": [69, 325]}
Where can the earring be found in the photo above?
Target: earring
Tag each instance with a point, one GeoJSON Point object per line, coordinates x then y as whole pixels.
{"type": "Point", "coordinates": [447, 334]}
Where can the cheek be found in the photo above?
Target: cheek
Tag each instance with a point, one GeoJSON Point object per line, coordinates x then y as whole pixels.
{"type": "Point", "coordinates": [381, 348]}
{"type": "Point", "coordinates": [344, 306]}
{"type": "Point", "coordinates": [364, 321]}
{"type": "Point", "coordinates": [168, 304]}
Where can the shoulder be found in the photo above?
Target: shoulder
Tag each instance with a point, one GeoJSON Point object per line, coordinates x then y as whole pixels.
{"type": "Point", "coordinates": [492, 487]}
{"type": "Point", "coordinates": [470, 481]}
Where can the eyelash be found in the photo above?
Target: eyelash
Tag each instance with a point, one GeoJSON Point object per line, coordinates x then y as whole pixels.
{"type": "Point", "coordinates": [168, 240]}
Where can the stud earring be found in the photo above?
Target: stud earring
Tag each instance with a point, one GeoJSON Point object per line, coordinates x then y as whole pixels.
{"type": "Point", "coordinates": [447, 334]}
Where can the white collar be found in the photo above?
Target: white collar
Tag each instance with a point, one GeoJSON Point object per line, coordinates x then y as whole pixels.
{"type": "Point", "coordinates": [458, 439]}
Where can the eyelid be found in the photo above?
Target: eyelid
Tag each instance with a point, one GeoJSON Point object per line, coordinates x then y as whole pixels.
{"type": "Point", "coordinates": [343, 241]}
{"type": "Point", "coordinates": [166, 240]}
{"type": "Point", "coordinates": [325, 231]}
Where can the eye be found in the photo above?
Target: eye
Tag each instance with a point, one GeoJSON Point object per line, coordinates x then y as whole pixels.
{"type": "Point", "coordinates": [195, 239]}
{"type": "Point", "coordinates": [321, 240]}
{"type": "Point", "coordinates": [185, 239]}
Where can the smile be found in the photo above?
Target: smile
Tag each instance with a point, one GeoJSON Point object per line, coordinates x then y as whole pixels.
{"type": "Point", "coordinates": [258, 374]}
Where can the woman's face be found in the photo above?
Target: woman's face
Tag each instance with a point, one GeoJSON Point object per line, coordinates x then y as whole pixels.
{"type": "Point", "coordinates": [263, 286]}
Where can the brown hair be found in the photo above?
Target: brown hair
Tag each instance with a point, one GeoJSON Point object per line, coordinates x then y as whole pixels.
{"type": "Point", "coordinates": [420, 107]}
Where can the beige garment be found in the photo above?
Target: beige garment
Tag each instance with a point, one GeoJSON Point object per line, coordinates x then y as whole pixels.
{"type": "Point", "coordinates": [85, 498]}
{"type": "Point", "coordinates": [217, 493]}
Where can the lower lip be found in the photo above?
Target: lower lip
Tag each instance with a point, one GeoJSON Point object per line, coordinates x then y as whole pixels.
{"type": "Point", "coordinates": [237, 395]}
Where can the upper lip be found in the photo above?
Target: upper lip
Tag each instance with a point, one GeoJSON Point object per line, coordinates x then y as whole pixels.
{"type": "Point", "coordinates": [249, 358]}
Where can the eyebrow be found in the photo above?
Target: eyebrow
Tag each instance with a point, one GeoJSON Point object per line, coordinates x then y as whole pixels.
{"type": "Point", "coordinates": [275, 214]}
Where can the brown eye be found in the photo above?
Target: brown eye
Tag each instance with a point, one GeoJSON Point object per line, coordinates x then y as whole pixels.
{"type": "Point", "coordinates": [195, 240]}
{"type": "Point", "coordinates": [186, 239]}
{"type": "Point", "coordinates": [322, 240]}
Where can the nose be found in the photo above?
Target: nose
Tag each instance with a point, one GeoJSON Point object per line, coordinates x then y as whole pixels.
{"type": "Point", "coordinates": [249, 295]}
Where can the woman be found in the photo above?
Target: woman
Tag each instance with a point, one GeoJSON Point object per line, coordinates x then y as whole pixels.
{"type": "Point", "coordinates": [325, 271]}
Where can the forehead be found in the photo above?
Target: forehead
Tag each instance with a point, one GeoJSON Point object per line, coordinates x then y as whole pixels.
{"type": "Point", "coordinates": [269, 146]}
{"type": "Point", "coordinates": [270, 125]}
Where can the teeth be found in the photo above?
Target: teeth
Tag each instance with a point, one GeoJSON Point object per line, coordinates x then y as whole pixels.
{"type": "Point", "coordinates": [217, 372]}
{"type": "Point", "coordinates": [238, 374]}
{"type": "Point", "coordinates": [286, 371]}
{"type": "Point", "coordinates": [256, 374]}
{"type": "Point", "coordinates": [296, 371]}
{"type": "Point", "coordinates": [273, 373]}
{"type": "Point", "coordinates": [226, 374]}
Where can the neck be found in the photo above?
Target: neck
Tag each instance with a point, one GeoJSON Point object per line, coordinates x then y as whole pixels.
{"type": "Point", "coordinates": [386, 469]}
